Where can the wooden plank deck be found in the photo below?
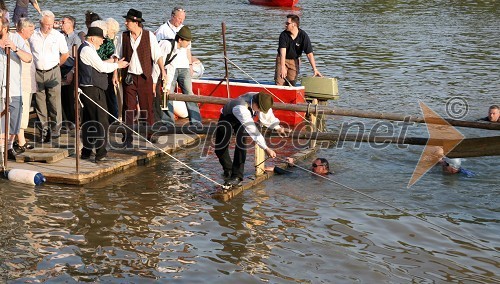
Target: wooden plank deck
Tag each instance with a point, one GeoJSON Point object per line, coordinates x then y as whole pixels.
{"type": "Point", "coordinates": [64, 170]}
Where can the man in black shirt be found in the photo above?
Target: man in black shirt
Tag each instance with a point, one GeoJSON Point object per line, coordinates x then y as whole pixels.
{"type": "Point", "coordinates": [292, 43]}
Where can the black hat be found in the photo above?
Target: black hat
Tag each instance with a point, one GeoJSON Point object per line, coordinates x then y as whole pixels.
{"type": "Point", "coordinates": [185, 33]}
{"type": "Point", "coordinates": [95, 31]}
{"type": "Point", "coordinates": [134, 15]}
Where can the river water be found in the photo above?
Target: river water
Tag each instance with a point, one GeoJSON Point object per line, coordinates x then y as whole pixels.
{"type": "Point", "coordinates": [156, 223]}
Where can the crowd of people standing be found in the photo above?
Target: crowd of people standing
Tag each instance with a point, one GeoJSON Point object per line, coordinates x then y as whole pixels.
{"type": "Point", "coordinates": [123, 80]}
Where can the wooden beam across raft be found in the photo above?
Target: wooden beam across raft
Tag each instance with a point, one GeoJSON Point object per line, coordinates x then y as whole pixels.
{"type": "Point", "coordinates": [469, 147]}
{"type": "Point", "coordinates": [340, 112]}
{"type": "Point", "coordinates": [250, 182]}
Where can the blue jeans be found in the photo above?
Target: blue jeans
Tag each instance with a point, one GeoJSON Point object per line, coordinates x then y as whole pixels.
{"type": "Point", "coordinates": [182, 76]}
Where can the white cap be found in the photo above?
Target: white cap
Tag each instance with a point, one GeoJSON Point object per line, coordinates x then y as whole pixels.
{"type": "Point", "coordinates": [454, 163]}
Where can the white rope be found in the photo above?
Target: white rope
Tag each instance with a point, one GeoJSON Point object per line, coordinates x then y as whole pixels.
{"type": "Point", "coordinates": [393, 207]}
{"type": "Point", "coordinates": [152, 144]}
{"type": "Point", "coordinates": [263, 86]}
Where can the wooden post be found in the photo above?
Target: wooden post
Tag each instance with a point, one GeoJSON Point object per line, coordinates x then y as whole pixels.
{"type": "Point", "coordinates": [260, 156]}
{"type": "Point", "coordinates": [225, 57]}
{"type": "Point", "coordinates": [313, 122]}
{"type": "Point", "coordinates": [77, 110]}
{"type": "Point", "coordinates": [6, 110]}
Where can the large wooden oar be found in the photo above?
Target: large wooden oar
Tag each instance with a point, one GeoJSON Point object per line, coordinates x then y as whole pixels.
{"type": "Point", "coordinates": [341, 112]}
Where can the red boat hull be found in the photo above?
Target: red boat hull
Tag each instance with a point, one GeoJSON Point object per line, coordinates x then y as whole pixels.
{"type": "Point", "coordinates": [289, 95]}
{"type": "Point", "coordinates": [275, 3]}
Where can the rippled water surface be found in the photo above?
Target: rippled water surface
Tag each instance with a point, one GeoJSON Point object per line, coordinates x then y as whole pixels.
{"type": "Point", "coordinates": [156, 223]}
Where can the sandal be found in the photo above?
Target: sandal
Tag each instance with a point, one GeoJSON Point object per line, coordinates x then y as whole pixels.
{"type": "Point", "coordinates": [21, 149]}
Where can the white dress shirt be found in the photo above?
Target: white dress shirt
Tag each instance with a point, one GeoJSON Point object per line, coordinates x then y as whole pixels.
{"type": "Point", "coordinates": [47, 50]}
{"type": "Point", "coordinates": [243, 114]}
{"type": "Point", "coordinates": [180, 61]}
{"type": "Point", "coordinates": [89, 56]}
{"type": "Point", "coordinates": [134, 64]}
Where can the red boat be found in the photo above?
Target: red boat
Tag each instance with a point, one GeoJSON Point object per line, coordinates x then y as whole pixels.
{"type": "Point", "coordinates": [275, 3]}
{"type": "Point", "coordinates": [217, 88]}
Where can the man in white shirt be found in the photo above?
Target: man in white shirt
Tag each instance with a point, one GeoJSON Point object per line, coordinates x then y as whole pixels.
{"type": "Point", "coordinates": [25, 29]}
{"type": "Point", "coordinates": [168, 31]}
{"type": "Point", "coordinates": [49, 50]}
{"type": "Point", "coordinates": [237, 116]}
{"type": "Point", "coordinates": [93, 80]}
{"type": "Point", "coordinates": [139, 47]}
{"type": "Point", "coordinates": [18, 53]}
{"type": "Point", "coordinates": [177, 67]}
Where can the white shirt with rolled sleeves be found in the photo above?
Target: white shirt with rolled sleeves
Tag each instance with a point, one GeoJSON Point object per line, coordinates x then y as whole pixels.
{"type": "Point", "coordinates": [15, 67]}
{"type": "Point", "coordinates": [168, 31]}
{"type": "Point", "coordinates": [135, 65]}
{"type": "Point", "coordinates": [89, 56]}
{"type": "Point", "coordinates": [243, 114]}
{"type": "Point", "coordinates": [47, 50]}
{"type": "Point", "coordinates": [179, 61]}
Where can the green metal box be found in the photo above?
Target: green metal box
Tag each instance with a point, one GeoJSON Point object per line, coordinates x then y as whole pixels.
{"type": "Point", "coordinates": [321, 88]}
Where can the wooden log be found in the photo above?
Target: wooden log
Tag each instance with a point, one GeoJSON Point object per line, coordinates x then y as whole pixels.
{"type": "Point", "coordinates": [313, 123]}
{"type": "Point", "coordinates": [469, 147]}
{"type": "Point", "coordinates": [327, 110]}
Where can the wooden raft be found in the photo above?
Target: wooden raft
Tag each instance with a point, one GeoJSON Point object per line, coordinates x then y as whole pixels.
{"type": "Point", "coordinates": [251, 181]}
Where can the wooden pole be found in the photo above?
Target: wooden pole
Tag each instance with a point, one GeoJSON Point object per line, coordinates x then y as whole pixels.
{"type": "Point", "coordinates": [225, 57]}
{"type": "Point", "coordinates": [7, 111]}
{"type": "Point", "coordinates": [77, 110]}
{"type": "Point", "coordinates": [327, 110]}
{"type": "Point", "coordinates": [312, 122]}
{"type": "Point", "coordinates": [260, 156]}
{"type": "Point", "coordinates": [469, 147]}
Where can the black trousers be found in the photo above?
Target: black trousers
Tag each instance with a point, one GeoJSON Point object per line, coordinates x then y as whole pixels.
{"type": "Point", "coordinates": [225, 127]}
{"type": "Point", "coordinates": [94, 122]}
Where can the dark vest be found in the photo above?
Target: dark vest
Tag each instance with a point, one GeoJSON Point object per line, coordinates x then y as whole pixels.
{"type": "Point", "coordinates": [88, 75]}
{"type": "Point", "coordinates": [243, 100]}
{"type": "Point", "coordinates": [143, 51]}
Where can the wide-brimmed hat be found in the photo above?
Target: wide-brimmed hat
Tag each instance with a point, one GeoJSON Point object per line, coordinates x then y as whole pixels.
{"type": "Point", "coordinates": [134, 15]}
{"type": "Point", "coordinates": [265, 101]}
{"type": "Point", "coordinates": [95, 31]}
{"type": "Point", "coordinates": [185, 33]}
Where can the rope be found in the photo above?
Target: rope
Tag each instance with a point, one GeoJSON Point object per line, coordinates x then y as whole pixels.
{"type": "Point", "coordinates": [152, 144]}
{"type": "Point", "coordinates": [263, 86]}
{"type": "Point", "coordinates": [263, 161]}
{"type": "Point", "coordinates": [474, 241]}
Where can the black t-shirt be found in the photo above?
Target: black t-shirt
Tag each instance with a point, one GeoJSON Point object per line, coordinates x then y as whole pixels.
{"type": "Point", "coordinates": [295, 47]}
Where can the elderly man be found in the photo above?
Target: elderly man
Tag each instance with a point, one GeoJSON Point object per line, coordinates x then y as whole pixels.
{"type": "Point", "coordinates": [68, 24]}
{"type": "Point", "coordinates": [49, 51]}
{"type": "Point", "coordinates": [293, 42]}
{"type": "Point", "coordinates": [493, 114]}
{"type": "Point", "coordinates": [168, 31]}
{"type": "Point", "coordinates": [25, 29]}
{"type": "Point", "coordinates": [177, 68]}
{"type": "Point", "coordinates": [18, 52]}
{"type": "Point", "coordinates": [93, 80]}
{"type": "Point", "coordinates": [139, 47]}
{"type": "Point", "coordinates": [237, 117]}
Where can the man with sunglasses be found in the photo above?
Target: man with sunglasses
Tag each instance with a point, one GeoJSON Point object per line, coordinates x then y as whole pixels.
{"type": "Point", "coordinates": [293, 42]}
{"type": "Point", "coordinates": [321, 166]}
